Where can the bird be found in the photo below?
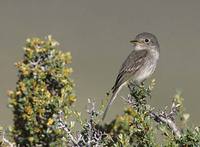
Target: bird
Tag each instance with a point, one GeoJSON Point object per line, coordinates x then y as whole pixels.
{"type": "Point", "coordinates": [138, 66]}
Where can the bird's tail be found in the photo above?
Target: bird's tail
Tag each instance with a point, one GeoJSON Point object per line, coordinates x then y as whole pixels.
{"type": "Point", "coordinates": [114, 95]}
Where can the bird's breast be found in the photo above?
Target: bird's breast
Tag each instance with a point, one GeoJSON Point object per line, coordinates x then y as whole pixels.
{"type": "Point", "coordinates": [148, 68]}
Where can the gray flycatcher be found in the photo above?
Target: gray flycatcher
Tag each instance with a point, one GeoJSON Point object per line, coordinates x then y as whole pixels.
{"type": "Point", "coordinates": [139, 65]}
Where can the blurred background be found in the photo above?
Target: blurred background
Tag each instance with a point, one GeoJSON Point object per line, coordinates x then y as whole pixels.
{"type": "Point", "coordinates": [98, 33]}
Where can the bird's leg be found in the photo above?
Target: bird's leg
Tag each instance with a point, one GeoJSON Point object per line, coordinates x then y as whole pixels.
{"type": "Point", "coordinates": [146, 90]}
{"type": "Point", "coordinates": [142, 83]}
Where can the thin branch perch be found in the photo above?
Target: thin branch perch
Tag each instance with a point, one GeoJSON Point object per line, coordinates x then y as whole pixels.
{"type": "Point", "coordinates": [163, 119]}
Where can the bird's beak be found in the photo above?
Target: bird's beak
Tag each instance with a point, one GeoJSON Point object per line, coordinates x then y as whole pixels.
{"type": "Point", "coordinates": [134, 42]}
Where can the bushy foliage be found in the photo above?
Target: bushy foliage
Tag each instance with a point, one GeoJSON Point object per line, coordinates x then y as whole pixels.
{"type": "Point", "coordinates": [43, 89]}
{"type": "Point", "coordinates": [43, 115]}
{"type": "Point", "coordinates": [141, 126]}
{"type": "Point", "coordinates": [134, 127]}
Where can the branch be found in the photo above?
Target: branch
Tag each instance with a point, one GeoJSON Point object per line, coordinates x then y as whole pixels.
{"type": "Point", "coordinates": [168, 118]}
{"type": "Point", "coordinates": [63, 125]}
{"type": "Point", "coordinates": [94, 135]}
{"type": "Point", "coordinates": [163, 117]}
{"type": "Point", "coordinates": [159, 118]}
{"type": "Point", "coordinates": [6, 141]}
{"type": "Point", "coordinates": [90, 135]}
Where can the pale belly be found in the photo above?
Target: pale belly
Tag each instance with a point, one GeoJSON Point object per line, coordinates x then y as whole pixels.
{"type": "Point", "coordinates": [146, 71]}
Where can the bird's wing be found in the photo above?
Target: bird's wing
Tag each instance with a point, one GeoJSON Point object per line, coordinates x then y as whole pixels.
{"type": "Point", "coordinates": [131, 65]}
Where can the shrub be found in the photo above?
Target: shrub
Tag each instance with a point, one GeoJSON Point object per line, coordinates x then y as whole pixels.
{"type": "Point", "coordinates": [43, 89]}
{"type": "Point", "coordinates": [43, 115]}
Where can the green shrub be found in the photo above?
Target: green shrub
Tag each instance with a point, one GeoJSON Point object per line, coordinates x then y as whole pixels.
{"type": "Point", "coordinates": [43, 89]}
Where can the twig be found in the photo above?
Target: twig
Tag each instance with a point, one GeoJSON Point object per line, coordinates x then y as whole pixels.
{"type": "Point", "coordinates": [163, 119]}
{"type": "Point", "coordinates": [129, 100]}
{"type": "Point", "coordinates": [91, 112]}
{"type": "Point", "coordinates": [88, 137]}
{"type": "Point", "coordinates": [4, 140]}
{"type": "Point", "coordinates": [63, 125]}
{"type": "Point", "coordinates": [168, 118]}
{"type": "Point", "coordinates": [94, 135]}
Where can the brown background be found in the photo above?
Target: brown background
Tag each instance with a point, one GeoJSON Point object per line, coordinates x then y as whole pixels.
{"type": "Point", "coordinates": [98, 33]}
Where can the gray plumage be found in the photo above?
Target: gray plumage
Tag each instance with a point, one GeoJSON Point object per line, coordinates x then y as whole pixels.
{"type": "Point", "coordinates": [139, 65]}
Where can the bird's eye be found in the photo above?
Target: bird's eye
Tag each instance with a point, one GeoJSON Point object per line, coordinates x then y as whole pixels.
{"type": "Point", "coordinates": [146, 40]}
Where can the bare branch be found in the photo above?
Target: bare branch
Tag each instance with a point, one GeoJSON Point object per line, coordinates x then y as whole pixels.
{"type": "Point", "coordinates": [89, 136]}
{"type": "Point", "coordinates": [62, 125]}
{"type": "Point", "coordinates": [162, 117]}
{"type": "Point", "coordinates": [159, 118]}
{"type": "Point", "coordinates": [6, 141]}
{"type": "Point", "coordinates": [169, 118]}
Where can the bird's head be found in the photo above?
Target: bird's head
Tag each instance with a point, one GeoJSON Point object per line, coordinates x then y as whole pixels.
{"type": "Point", "coordinates": [145, 41]}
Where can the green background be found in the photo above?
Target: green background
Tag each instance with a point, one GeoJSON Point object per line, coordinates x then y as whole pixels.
{"type": "Point", "coordinates": [98, 34]}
